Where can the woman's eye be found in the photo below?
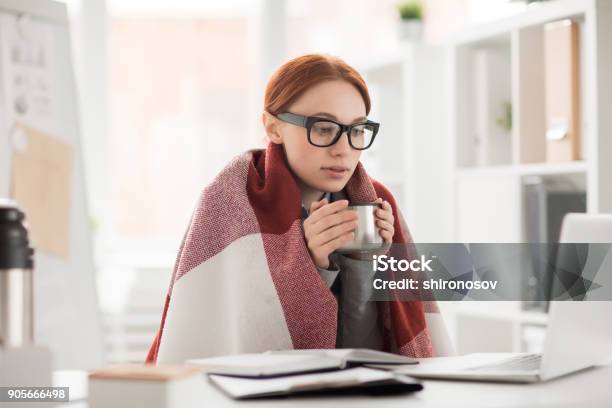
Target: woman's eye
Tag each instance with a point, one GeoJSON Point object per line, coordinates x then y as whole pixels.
{"type": "Point", "coordinates": [325, 130]}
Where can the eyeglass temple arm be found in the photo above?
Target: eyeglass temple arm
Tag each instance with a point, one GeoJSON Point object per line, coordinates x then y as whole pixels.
{"type": "Point", "coordinates": [293, 118]}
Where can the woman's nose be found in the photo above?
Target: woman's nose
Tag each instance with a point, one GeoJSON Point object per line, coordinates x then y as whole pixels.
{"type": "Point", "coordinates": [342, 146]}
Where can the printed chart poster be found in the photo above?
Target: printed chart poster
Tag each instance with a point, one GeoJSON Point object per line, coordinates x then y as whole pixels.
{"type": "Point", "coordinates": [29, 63]}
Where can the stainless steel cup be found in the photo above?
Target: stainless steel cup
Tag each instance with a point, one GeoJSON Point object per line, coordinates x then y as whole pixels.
{"type": "Point", "coordinates": [367, 239]}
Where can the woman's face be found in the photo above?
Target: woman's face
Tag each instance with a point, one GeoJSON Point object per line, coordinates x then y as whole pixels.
{"type": "Point", "coordinates": [321, 168]}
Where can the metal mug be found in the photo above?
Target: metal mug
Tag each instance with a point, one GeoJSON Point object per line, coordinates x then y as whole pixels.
{"type": "Point", "coordinates": [366, 239]}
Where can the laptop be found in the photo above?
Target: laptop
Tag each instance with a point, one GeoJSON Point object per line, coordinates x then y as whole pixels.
{"type": "Point", "coordinates": [578, 335]}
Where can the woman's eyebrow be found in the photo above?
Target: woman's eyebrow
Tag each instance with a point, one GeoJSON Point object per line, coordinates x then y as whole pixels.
{"type": "Point", "coordinates": [330, 116]}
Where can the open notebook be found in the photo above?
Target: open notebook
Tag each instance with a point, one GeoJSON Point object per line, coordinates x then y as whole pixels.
{"type": "Point", "coordinates": [286, 362]}
{"type": "Point", "coordinates": [352, 380]}
{"type": "Point", "coordinates": [351, 356]}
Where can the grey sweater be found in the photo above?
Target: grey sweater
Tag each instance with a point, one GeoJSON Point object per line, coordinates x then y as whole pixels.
{"type": "Point", "coordinates": [351, 282]}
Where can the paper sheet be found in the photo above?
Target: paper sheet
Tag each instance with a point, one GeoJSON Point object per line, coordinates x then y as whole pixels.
{"type": "Point", "coordinates": [251, 360]}
{"type": "Point", "coordinates": [29, 61]}
{"type": "Point", "coordinates": [41, 185]}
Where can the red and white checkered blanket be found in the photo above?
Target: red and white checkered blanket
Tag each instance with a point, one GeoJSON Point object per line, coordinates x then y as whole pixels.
{"type": "Point", "coordinates": [244, 280]}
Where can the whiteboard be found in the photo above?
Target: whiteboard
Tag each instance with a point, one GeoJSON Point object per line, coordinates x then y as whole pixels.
{"type": "Point", "coordinates": [67, 317]}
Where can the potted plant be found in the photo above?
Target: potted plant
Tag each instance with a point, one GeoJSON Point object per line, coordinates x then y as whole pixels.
{"type": "Point", "coordinates": [411, 20]}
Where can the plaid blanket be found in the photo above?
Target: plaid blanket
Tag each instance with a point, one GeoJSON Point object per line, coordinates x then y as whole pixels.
{"type": "Point", "coordinates": [244, 280]}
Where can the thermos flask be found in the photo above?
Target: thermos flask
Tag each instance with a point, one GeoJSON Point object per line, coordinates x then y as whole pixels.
{"type": "Point", "coordinates": [16, 286]}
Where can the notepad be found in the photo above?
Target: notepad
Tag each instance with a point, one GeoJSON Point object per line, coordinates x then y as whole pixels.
{"type": "Point", "coordinates": [358, 379]}
{"type": "Point", "coordinates": [352, 356]}
{"type": "Point", "coordinates": [266, 365]}
{"type": "Point", "coordinates": [286, 362]}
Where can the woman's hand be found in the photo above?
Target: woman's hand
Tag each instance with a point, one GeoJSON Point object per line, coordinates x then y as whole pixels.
{"type": "Point", "coordinates": [384, 221]}
{"type": "Point", "coordinates": [327, 228]}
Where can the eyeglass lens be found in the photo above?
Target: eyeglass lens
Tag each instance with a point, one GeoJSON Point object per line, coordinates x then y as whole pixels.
{"type": "Point", "coordinates": [323, 133]}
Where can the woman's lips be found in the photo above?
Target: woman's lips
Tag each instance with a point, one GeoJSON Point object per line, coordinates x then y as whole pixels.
{"type": "Point", "coordinates": [336, 172]}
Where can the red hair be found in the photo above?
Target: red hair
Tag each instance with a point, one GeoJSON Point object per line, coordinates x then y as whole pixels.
{"type": "Point", "coordinates": [294, 77]}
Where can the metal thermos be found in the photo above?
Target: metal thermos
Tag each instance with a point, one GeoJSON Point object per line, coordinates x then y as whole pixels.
{"type": "Point", "coordinates": [16, 286]}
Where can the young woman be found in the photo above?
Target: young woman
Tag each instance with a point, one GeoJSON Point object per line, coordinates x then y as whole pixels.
{"type": "Point", "coordinates": [257, 269]}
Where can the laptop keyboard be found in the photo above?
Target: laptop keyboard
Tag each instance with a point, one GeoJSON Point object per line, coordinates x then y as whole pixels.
{"type": "Point", "coordinates": [528, 362]}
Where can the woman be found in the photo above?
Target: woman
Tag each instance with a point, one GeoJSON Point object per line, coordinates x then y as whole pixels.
{"type": "Point", "coordinates": [257, 269]}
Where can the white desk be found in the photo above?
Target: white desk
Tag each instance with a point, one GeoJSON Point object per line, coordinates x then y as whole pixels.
{"type": "Point", "coordinates": [590, 388]}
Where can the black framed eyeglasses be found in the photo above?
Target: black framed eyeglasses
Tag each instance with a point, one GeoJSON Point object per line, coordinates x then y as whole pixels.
{"type": "Point", "coordinates": [324, 132]}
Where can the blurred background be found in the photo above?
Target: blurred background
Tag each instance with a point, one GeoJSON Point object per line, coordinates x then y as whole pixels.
{"type": "Point", "coordinates": [177, 91]}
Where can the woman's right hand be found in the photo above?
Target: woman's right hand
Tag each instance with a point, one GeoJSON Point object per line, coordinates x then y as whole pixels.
{"type": "Point", "coordinates": [327, 228]}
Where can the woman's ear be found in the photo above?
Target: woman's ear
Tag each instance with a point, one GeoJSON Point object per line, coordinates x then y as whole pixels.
{"type": "Point", "coordinates": [271, 126]}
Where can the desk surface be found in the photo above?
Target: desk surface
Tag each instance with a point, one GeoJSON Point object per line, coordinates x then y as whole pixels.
{"type": "Point", "coordinates": [590, 388]}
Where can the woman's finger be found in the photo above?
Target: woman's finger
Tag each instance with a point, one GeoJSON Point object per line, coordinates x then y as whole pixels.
{"type": "Point", "coordinates": [327, 209]}
{"type": "Point", "coordinates": [385, 209]}
{"type": "Point", "coordinates": [384, 215]}
{"type": "Point", "coordinates": [322, 238]}
{"type": "Point", "coordinates": [334, 244]}
{"type": "Point", "coordinates": [316, 205]}
{"type": "Point", "coordinates": [332, 220]}
{"type": "Point", "coordinates": [384, 225]}
{"type": "Point", "coordinates": [386, 235]}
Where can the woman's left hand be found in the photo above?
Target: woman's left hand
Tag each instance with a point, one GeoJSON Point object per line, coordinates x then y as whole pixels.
{"type": "Point", "coordinates": [384, 221]}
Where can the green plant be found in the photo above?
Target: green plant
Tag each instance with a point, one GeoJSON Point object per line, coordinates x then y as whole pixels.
{"type": "Point", "coordinates": [505, 120]}
{"type": "Point", "coordinates": [410, 10]}
{"type": "Point", "coordinates": [94, 223]}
